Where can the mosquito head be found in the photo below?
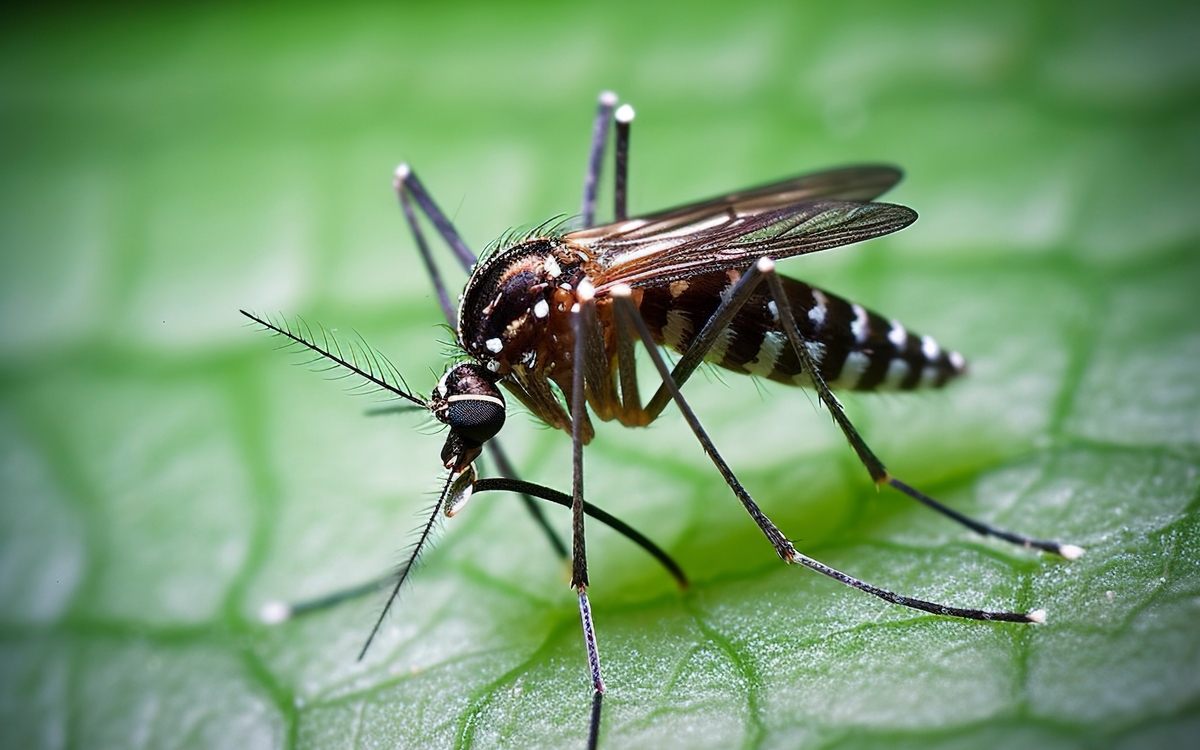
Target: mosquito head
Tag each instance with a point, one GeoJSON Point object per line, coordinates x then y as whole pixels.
{"type": "Point", "coordinates": [467, 399]}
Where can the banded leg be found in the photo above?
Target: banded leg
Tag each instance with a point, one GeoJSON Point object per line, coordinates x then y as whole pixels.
{"type": "Point", "coordinates": [721, 318]}
{"type": "Point", "coordinates": [584, 320]}
{"type": "Point", "coordinates": [406, 184]}
{"type": "Point", "coordinates": [627, 315]}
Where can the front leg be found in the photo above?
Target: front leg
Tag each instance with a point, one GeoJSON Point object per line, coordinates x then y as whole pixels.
{"type": "Point", "coordinates": [583, 313]}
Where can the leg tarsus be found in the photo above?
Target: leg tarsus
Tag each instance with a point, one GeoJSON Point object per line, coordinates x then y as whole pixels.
{"type": "Point", "coordinates": [593, 653]}
{"type": "Point", "coordinates": [594, 723]}
{"type": "Point", "coordinates": [1068, 551]}
{"type": "Point", "coordinates": [1037, 616]}
{"type": "Point", "coordinates": [276, 612]}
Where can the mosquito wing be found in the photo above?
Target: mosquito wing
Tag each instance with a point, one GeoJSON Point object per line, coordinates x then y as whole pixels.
{"type": "Point", "coordinates": [861, 183]}
{"type": "Point", "coordinates": [793, 217]}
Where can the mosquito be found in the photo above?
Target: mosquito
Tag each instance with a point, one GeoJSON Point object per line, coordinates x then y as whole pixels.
{"type": "Point", "coordinates": [555, 318]}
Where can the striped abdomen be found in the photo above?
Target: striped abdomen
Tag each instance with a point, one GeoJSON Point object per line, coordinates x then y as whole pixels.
{"type": "Point", "coordinates": [854, 348]}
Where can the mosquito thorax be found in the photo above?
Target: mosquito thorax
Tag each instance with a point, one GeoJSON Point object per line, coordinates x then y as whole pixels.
{"type": "Point", "coordinates": [514, 300]}
{"type": "Point", "coordinates": [467, 399]}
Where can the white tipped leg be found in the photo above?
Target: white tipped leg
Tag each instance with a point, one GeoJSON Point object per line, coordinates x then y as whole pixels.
{"type": "Point", "coordinates": [1071, 551]}
{"type": "Point", "coordinates": [1037, 617]}
{"type": "Point", "coordinates": [273, 613]}
{"type": "Point", "coordinates": [604, 109]}
{"type": "Point", "coordinates": [623, 116]}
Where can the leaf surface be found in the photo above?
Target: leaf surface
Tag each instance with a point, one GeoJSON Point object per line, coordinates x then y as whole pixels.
{"type": "Point", "coordinates": [164, 473]}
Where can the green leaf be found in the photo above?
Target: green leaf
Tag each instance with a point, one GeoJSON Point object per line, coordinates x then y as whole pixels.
{"type": "Point", "coordinates": [164, 473]}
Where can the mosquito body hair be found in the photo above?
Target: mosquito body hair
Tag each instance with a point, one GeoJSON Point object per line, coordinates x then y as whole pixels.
{"type": "Point", "coordinates": [555, 226]}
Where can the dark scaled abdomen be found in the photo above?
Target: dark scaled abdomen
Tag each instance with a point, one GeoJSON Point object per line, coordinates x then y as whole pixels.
{"type": "Point", "coordinates": [854, 348]}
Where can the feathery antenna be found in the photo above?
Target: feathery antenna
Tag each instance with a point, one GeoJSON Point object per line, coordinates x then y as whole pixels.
{"type": "Point", "coordinates": [362, 360]}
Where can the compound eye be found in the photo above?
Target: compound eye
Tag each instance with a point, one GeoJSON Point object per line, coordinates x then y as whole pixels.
{"type": "Point", "coordinates": [477, 418]}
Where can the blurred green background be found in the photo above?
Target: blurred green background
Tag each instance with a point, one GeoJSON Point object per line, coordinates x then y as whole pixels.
{"type": "Point", "coordinates": [164, 472]}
